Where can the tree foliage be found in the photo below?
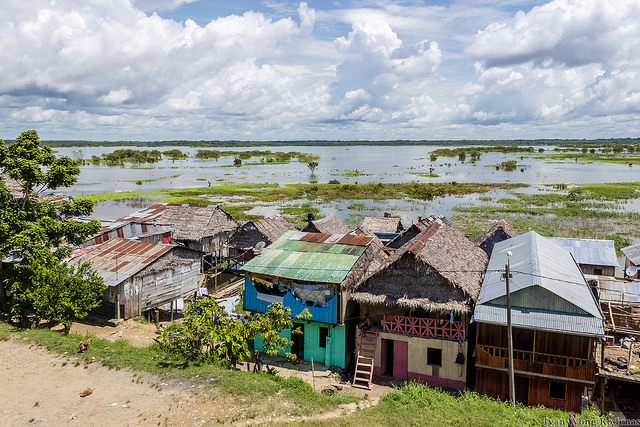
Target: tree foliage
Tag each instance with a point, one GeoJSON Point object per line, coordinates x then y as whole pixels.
{"type": "Point", "coordinates": [41, 285]}
{"type": "Point", "coordinates": [207, 335]}
{"type": "Point", "coordinates": [270, 326]}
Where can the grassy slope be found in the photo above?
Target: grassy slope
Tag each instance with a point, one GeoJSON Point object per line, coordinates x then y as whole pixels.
{"type": "Point", "coordinates": [419, 405]}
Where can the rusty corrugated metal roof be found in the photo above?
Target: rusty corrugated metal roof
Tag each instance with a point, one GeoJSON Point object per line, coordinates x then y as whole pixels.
{"type": "Point", "coordinates": [118, 259]}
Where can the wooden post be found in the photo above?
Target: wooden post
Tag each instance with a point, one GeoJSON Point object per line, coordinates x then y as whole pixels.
{"type": "Point", "coordinates": [172, 311]}
{"type": "Point", "coordinates": [117, 306]}
{"type": "Point", "coordinates": [156, 316]}
{"type": "Point", "coordinates": [313, 374]}
{"type": "Point", "coordinates": [512, 386]}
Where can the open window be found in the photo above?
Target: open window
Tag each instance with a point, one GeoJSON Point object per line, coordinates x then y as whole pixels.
{"type": "Point", "coordinates": [324, 333]}
{"type": "Point", "coordinates": [434, 356]}
{"type": "Point", "coordinates": [557, 390]}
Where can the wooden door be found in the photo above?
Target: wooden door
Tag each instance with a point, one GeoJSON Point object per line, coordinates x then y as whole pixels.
{"type": "Point", "coordinates": [401, 360]}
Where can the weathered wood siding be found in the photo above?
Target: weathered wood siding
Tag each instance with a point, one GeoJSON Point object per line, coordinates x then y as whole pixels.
{"type": "Point", "coordinates": [174, 275]}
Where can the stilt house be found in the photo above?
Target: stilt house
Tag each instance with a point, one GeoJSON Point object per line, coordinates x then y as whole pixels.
{"type": "Point", "coordinates": [141, 276]}
{"type": "Point", "coordinates": [313, 271]}
{"type": "Point", "coordinates": [499, 232]}
{"type": "Point", "coordinates": [556, 321]}
{"type": "Point", "coordinates": [420, 302]}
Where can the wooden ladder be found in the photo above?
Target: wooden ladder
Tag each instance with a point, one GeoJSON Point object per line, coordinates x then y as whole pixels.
{"type": "Point", "coordinates": [365, 358]}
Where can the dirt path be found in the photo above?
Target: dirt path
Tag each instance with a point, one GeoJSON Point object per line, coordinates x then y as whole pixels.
{"type": "Point", "coordinates": [39, 388]}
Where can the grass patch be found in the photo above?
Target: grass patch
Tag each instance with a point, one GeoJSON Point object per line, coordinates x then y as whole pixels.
{"type": "Point", "coordinates": [425, 175]}
{"type": "Point", "coordinates": [594, 157]}
{"type": "Point", "coordinates": [355, 172]}
{"type": "Point", "coordinates": [416, 404]}
{"type": "Point", "coordinates": [149, 180]}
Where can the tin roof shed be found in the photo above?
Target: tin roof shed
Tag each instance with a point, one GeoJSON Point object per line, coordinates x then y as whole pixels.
{"type": "Point", "coordinates": [589, 251]}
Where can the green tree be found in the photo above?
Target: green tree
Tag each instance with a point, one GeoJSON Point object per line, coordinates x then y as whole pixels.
{"type": "Point", "coordinates": [312, 167]}
{"type": "Point", "coordinates": [270, 326]}
{"type": "Point", "coordinates": [207, 335]}
{"type": "Point", "coordinates": [32, 230]}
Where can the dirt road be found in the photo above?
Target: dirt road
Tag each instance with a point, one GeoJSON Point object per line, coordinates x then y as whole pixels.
{"type": "Point", "coordinates": [41, 388]}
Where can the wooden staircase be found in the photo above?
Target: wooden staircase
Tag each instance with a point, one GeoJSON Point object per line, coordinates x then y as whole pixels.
{"type": "Point", "coordinates": [365, 358]}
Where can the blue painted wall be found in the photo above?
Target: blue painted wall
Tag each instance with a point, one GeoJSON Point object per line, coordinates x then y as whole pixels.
{"type": "Point", "coordinates": [318, 314]}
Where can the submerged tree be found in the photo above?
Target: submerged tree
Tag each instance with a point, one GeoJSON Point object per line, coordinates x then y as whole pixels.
{"type": "Point", "coordinates": [312, 167]}
{"type": "Point", "coordinates": [32, 230]}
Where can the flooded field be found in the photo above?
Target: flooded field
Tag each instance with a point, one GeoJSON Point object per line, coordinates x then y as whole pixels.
{"type": "Point", "coordinates": [539, 175]}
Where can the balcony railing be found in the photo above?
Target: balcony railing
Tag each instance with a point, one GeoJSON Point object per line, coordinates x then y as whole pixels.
{"type": "Point", "coordinates": [537, 363]}
{"type": "Point", "coordinates": [424, 327]}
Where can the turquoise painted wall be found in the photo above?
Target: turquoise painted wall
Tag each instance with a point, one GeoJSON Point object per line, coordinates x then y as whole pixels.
{"type": "Point", "coordinates": [331, 355]}
{"type": "Point", "coordinates": [334, 352]}
{"type": "Point", "coordinates": [257, 344]}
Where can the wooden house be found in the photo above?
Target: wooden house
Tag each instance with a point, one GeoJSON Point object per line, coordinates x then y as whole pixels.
{"type": "Point", "coordinates": [420, 302]}
{"type": "Point", "coordinates": [500, 231]}
{"type": "Point", "coordinates": [632, 259]}
{"type": "Point", "coordinates": [385, 229]}
{"type": "Point", "coordinates": [327, 225]}
{"type": "Point", "coordinates": [313, 271]}
{"type": "Point", "coordinates": [141, 276]}
{"type": "Point", "coordinates": [202, 228]}
{"type": "Point", "coordinates": [266, 230]}
{"type": "Point", "coordinates": [556, 322]}
{"type": "Point", "coordinates": [597, 257]}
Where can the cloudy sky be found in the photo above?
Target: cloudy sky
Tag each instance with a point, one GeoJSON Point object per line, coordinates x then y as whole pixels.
{"type": "Point", "coordinates": [342, 69]}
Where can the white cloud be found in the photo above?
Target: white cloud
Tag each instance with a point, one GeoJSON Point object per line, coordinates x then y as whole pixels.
{"type": "Point", "coordinates": [560, 61]}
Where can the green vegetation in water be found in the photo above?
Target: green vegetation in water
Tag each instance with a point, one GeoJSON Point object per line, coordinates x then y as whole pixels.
{"type": "Point", "coordinates": [299, 214]}
{"type": "Point", "coordinates": [475, 152]}
{"type": "Point", "coordinates": [127, 155]}
{"type": "Point", "coordinates": [417, 404]}
{"type": "Point", "coordinates": [267, 156]}
{"type": "Point", "coordinates": [354, 172]}
{"type": "Point", "coordinates": [630, 159]}
{"type": "Point", "coordinates": [149, 179]}
{"type": "Point", "coordinates": [174, 154]}
{"type": "Point", "coordinates": [425, 174]}
{"type": "Point", "coordinates": [358, 206]}
{"type": "Point", "coordinates": [265, 392]}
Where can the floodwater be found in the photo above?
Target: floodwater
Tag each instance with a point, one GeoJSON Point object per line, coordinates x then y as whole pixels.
{"type": "Point", "coordinates": [364, 164]}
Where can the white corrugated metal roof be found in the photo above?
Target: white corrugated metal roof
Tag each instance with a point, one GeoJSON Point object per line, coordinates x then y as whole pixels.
{"type": "Point", "coordinates": [536, 261]}
{"type": "Point", "coordinates": [543, 320]}
{"type": "Point", "coordinates": [589, 251]}
{"type": "Point", "coordinates": [633, 253]}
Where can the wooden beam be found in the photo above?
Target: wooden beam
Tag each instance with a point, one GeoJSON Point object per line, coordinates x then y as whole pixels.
{"type": "Point", "coordinates": [611, 317]}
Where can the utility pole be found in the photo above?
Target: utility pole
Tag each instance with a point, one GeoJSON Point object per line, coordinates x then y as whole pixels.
{"type": "Point", "coordinates": [512, 387]}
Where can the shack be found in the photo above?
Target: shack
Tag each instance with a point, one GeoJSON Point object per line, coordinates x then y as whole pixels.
{"type": "Point", "coordinates": [141, 276]}
{"type": "Point", "coordinates": [556, 323]}
{"type": "Point", "coordinates": [327, 225]}
{"type": "Point", "coordinates": [593, 256]}
{"type": "Point", "coordinates": [500, 231]}
{"type": "Point", "coordinates": [632, 259]}
{"type": "Point", "coordinates": [202, 228]}
{"type": "Point", "coordinates": [420, 302]}
{"type": "Point", "coordinates": [265, 230]}
{"type": "Point", "coordinates": [313, 271]}
{"type": "Point", "coordinates": [386, 228]}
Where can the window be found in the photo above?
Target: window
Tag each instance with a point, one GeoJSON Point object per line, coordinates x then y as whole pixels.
{"type": "Point", "coordinates": [434, 356]}
{"type": "Point", "coordinates": [597, 271]}
{"type": "Point", "coordinates": [557, 390]}
{"type": "Point", "coordinates": [324, 333]}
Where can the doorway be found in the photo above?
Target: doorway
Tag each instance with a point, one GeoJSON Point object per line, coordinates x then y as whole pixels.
{"type": "Point", "coordinates": [522, 390]}
{"type": "Point", "coordinates": [386, 357]}
{"type": "Point", "coordinates": [298, 341]}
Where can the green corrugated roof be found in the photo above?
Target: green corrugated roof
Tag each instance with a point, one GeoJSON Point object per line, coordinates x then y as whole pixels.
{"type": "Point", "coordinates": [306, 261]}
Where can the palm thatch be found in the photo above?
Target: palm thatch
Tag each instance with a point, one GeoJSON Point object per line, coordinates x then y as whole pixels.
{"type": "Point", "coordinates": [327, 225]}
{"type": "Point", "coordinates": [195, 222]}
{"type": "Point", "coordinates": [266, 230]}
{"type": "Point", "coordinates": [371, 225]}
{"type": "Point", "coordinates": [439, 270]}
{"type": "Point", "coordinates": [500, 231]}
{"type": "Point", "coordinates": [413, 231]}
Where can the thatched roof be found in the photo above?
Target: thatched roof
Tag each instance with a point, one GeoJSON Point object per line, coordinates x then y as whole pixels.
{"type": "Point", "coordinates": [500, 231]}
{"type": "Point", "coordinates": [371, 225]}
{"type": "Point", "coordinates": [266, 230]}
{"type": "Point", "coordinates": [413, 231]}
{"type": "Point", "coordinates": [439, 270]}
{"type": "Point", "coordinates": [14, 186]}
{"type": "Point", "coordinates": [327, 225]}
{"type": "Point", "coordinates": [195, 222]}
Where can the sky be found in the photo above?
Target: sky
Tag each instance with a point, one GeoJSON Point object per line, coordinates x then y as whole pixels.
{"type": "Point", "coordinates": [156, 70]}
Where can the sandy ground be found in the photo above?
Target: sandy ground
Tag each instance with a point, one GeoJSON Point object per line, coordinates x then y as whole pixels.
{"type": "Point", "coordinates": [45, 387]}
{"type": "Point", "coordinates": [38, 388]}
